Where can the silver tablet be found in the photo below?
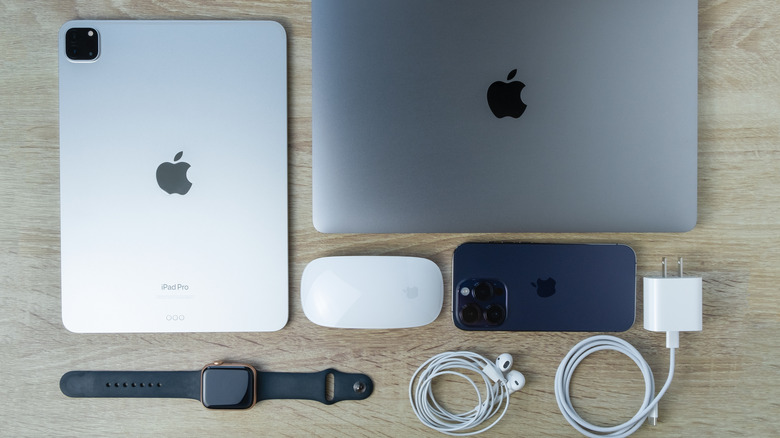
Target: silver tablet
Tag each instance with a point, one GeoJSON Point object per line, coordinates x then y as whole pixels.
{"type": "Point", "coordinates": [173, 164]}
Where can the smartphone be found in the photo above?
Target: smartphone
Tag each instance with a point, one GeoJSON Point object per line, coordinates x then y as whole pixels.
{"type": "Point", "coordinates": [544, 287]}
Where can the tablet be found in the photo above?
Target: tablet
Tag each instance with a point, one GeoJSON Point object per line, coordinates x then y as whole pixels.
{"type": "Point", "coordinates": [173, 174]}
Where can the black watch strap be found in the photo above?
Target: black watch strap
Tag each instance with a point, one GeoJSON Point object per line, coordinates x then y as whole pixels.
{"type": "Point", "coordinates": [151, 384]}
{"type": "Point", "coordinates": [313, 386]}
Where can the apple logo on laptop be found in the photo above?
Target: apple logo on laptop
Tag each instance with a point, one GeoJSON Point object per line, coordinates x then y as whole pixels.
{"type": "Point", "coordinates": [411, 292]}
{"type": "Point", "coordinates": [544, 288]}
{"type": "Point", "coordinates": [504, 97]}
{"type": "Point", "coordinates": [173, 177]}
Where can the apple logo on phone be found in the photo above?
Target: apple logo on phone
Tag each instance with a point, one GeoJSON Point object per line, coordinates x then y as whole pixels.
{"type": "Point", "coordinates": [173, 177]}
{"type": "Point", "coordinates": [411, 292]}
{"type": "Point", "coordinates": [504, 97]}
{"type": "Point", "coordinates": [544, 288]}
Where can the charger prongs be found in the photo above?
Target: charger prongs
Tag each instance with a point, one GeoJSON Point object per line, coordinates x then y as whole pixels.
{"type": "Point", "coordinates": [680, 264]}
{"type": "Point", "coordinates": [663, 266]}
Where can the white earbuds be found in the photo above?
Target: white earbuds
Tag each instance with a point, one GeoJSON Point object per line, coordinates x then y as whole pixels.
{"type": "Point", "coordinates": [504, 362]}
{"type": "Point", "coordinates": [515, 380]}
{"type": "Point", "coordinates": [502, 371]}
{"type": "Point", "coordinates": [499, 379]}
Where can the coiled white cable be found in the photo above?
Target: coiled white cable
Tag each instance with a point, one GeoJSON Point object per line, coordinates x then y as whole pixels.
{"type": "Point", "coordinates": [433, 415]}
{"type": "Point", "coordinates": [584, 349]}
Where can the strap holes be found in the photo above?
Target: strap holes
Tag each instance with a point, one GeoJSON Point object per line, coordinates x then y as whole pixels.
{"type": "Point", "coordinates": [125, 384]}
{"type": "Point", "coordinates": [330, 386]}
{"type": "Point", "coordinates": [142, 385]}
{"type": "Point", "coordinates": [159, 385]}
{"type": "Point", "coordinates": [116, 385]}
{"type": "Point", "coordinates": [133, 385]}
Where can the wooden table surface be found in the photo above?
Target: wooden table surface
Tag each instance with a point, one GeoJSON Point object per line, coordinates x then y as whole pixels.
{"type": "Point", "coordinates": [726, 381]}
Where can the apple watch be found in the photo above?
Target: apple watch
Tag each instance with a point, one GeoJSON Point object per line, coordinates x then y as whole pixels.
{"type": "Point", "coordinates": [219, 385]}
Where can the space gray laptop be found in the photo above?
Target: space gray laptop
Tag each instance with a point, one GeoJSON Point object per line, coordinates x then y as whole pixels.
{"type": "Point", "coordinates": [173, 165]}
{"type": "Point", "coordinates": [504, 115]}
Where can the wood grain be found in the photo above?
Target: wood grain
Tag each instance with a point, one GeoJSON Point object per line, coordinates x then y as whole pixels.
{"type": "Point", "coordinates": [726, 382]}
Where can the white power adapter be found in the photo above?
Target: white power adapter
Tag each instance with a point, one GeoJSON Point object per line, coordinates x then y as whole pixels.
{"type": "Point", "coordinates": [672, 304]}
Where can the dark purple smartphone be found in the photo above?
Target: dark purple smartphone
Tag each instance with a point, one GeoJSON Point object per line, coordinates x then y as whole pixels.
{"type": "Point", "coordinates": [544, 287]}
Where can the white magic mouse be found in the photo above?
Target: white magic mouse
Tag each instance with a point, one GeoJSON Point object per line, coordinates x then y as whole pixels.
{"type": "Point", "coordinates": [372, 292]}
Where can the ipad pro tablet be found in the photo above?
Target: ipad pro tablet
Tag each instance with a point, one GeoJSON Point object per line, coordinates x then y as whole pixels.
{"type": "Point", "coordinates": [173, 173]}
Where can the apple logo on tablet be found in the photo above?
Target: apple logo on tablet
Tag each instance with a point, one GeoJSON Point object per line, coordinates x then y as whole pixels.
{"type": "Point", "coordinates": [173, 177]}
{"type": "Point", "coordinates": [504, 97]}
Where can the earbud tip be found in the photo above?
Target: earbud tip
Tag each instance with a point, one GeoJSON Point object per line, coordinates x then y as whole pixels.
{"type": "Point", "coordinates": [515, 381]}
{"type": "Point", "coordinates": [504, 362]}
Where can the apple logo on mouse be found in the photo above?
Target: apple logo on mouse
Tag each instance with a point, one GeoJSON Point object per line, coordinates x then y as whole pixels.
{"type": "Point", "coordinates": [411, 292]}
{"type": "Point", "coordinates": [173, 177]}
{"type": "Point", "coordinates": [504, 97]}
{"type": "Point", "coordinates": [544, 288]}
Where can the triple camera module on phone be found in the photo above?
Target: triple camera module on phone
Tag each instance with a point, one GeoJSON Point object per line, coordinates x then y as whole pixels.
{"type": "Point", "coordinates": [481, 303]}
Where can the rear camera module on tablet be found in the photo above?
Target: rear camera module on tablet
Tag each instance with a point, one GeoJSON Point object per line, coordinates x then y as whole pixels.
{"type": "Point", "coordinates": [81, 43]}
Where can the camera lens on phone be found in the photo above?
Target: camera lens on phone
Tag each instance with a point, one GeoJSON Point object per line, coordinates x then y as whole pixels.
{"type": "Point", "coordinates": [483, 291]}
{"type": "Point", "coordinates": [495, 314]}
{"type": "Point", "coordinates": [470, 313]}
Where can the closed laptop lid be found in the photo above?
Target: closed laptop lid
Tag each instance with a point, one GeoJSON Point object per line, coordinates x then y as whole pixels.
{"type": "Point", "coordinates": [406, 138]}
{"type": "Point", "coordinates": [173, 150]}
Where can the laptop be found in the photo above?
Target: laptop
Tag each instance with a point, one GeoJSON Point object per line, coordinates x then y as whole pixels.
{"type": "Point", "coordinates": [504, 115]}
{"type": "Point", "coordinates": [173, 176]}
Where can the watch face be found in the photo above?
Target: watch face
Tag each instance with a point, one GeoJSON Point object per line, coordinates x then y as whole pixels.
{"type": "Point", "coordinates": [228, 387]}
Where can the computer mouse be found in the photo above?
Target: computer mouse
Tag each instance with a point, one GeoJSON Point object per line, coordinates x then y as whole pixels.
{"type": "Point", "coordinates": [372, 292]}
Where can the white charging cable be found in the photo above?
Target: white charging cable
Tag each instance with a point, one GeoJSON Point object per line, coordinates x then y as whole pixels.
{"type": "Point", "coordinates": [497, 391]}
{"type": "Point", "coordinates": [586, 348]}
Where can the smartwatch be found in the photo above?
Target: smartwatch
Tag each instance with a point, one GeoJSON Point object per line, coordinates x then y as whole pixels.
{"type": "Point", "coordinates": [219, 385]}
